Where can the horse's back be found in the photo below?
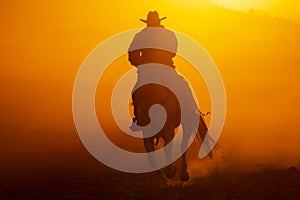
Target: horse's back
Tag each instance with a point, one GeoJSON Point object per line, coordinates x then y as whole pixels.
{"type": "Point", "coordinates": [146, 96]}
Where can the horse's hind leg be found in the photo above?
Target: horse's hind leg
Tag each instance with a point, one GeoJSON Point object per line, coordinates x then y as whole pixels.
{"type": "Point", "coordinates": [184, 173]}
{"type": "Point", "coordinates": [170, 170]}
{"type": "Point", "coordinates": [149, 146]}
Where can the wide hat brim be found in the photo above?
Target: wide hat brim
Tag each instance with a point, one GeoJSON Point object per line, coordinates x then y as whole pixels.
{"type": "Point", "coordinates": [145, 21]}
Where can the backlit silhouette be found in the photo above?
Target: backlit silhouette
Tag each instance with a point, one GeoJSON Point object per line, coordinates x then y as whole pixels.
{"type": "Point", "coordinates": [157, 64]}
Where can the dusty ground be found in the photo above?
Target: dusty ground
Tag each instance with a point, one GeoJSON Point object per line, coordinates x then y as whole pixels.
{"type": "Point", "coordinates": [82, 177]}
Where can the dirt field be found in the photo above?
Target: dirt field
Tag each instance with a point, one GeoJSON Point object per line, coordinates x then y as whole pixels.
{"type": "Point", "coordinates": [83, 177]}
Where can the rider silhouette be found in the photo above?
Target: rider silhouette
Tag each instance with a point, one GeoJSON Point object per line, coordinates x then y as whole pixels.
{"type": "Point", "coordinates": [153, 35]}
{"type": "Point", "coordinates": [150, 55]}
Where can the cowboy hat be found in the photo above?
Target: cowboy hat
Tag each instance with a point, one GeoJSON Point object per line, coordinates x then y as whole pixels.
{"type": "Point", "coordinates": [153, 17]}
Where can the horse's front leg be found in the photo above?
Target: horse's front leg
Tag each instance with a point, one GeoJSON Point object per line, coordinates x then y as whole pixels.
{"type": "Point", "coordinates": [184, 173]}
{"type": "Point", "coordinates": [170, 170]}
{"type": "Point", "coordinates": [184, 147]}
{"type": "Point", "coordinates": [149, 146]}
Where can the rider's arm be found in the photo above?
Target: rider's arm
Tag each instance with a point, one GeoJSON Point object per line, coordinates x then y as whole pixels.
{"type": "Point", "coordinates": [134, 57]}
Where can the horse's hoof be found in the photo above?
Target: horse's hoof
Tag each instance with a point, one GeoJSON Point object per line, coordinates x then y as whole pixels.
{"type": "Point", "coordinates": [170, 171]}
{"type": "Point", "coordinates": [185, 176]}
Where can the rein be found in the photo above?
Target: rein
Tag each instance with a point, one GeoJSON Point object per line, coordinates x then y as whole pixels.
{"type": "Point", "coordinates": [202, 114]}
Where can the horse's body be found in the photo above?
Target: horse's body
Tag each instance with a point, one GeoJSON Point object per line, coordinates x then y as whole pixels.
{"type": "Point", "coordinates": [146, 96]}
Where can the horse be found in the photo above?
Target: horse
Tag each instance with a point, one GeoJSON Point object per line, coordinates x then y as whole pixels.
{"type": "Point", "coordinates": [146, 96]}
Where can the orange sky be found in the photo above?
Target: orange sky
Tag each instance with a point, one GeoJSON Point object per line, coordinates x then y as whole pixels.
{"type": "Point", "coordinates": [43, 45]}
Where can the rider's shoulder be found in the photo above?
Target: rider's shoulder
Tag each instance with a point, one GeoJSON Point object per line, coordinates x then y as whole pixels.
{"type": "Point", "coordinates": [154, 31]}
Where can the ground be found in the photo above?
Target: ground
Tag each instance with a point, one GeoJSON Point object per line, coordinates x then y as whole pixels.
{"type": "Point", "coordinates": [77, 178]}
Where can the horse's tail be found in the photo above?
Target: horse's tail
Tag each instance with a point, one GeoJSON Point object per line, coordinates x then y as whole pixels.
{"type": "Point", "coordinates": [203, 132]}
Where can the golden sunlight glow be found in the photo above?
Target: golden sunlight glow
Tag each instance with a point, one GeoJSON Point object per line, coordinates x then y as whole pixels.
{"type": "Point", "coordinates": [245, 4]}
